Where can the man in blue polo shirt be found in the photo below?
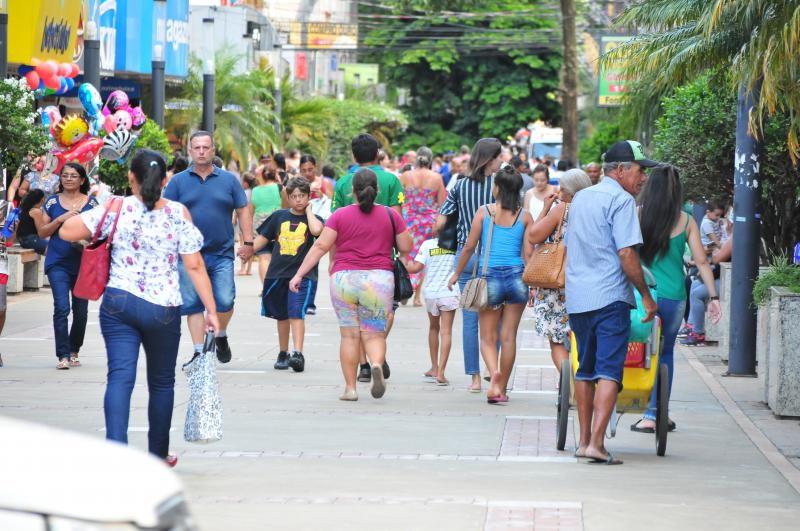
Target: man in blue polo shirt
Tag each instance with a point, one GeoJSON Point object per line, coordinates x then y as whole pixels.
{"type": "Point", "coordinates": [602, 262]}
{"type": "Point", "coordinates": [211, 194]}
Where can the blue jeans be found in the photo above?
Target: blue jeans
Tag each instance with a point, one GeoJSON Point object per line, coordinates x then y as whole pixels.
{"type": "Point", "coordinates": [127, 322]}
{"type": "Point", "coordinates": [470, 338]}
{"type": "Point", "coordinates": [220, 272]}
{"type": "Point", "coordinates": [698, 297]}
{"type": "Point", "coordinates": [469, 329]}
{"type": "Point", "coordinates": [671, 313]}
{"type": "Point", "coordinates": [68, 340]}
{"type": "Point", "coordinates": [602, 337]}
{"type": "Point", "coordinates": [32, 241]}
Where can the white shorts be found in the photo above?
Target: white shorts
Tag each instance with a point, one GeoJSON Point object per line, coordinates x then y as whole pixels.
{"type": "Point", "coordinates": [441, 304]}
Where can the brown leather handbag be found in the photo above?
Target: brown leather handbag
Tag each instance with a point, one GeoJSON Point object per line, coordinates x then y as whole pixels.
{"type": "Point", "coordinates": [475, 295]}
{"type": "Point", "coordinates": [547, 266]}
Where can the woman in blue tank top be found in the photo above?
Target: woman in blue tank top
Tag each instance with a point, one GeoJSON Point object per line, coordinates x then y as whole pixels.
{"type": "Point", "coordinates": [507, 253]}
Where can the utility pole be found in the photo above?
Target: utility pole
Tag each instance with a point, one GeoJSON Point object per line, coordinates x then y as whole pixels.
{"type": "Point", "coordinates": [278, 91]}
{"type": "Point", "coordinates": [746, 239]}
{"type": "Point", "coordinates": [569, 83]}
{"type": "Point", "coordinates": [91, 56]}
{"type": "Point", "coordinates": [158, 85]}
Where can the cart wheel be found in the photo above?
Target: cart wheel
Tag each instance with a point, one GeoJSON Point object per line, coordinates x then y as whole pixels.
{"type": "Point", "coordinates": [563, 404]}
{"type": "Point", "coordinates": [662, 410]}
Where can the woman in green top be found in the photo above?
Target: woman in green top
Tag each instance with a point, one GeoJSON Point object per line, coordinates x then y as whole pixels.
{"type": "Point", "coordinates": [266, 198]}
{"type": "Point", "coordinates": [665, 231]}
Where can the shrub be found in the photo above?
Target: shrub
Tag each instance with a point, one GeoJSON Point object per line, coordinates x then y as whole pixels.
{"type": "Point", "coordinates": [152, 137]}
{"type": "Point", "coordinates": [782, 273]}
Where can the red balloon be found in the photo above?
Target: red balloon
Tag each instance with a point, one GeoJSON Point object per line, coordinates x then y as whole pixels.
{"type": "Point", "coordinates": [64, 69]}
{"type": "Point", "coordinates": [82, 152]}
{"type": "Point", "coordinates": [47, 69]}
{"type": "Point", "coordinates": [52, 82]}
{"type": "Point", "coordinates": [33, 79]}
{"type": "Point", "coordinates": [74, 70]}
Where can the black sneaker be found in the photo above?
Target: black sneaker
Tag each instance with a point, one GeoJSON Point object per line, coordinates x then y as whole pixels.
{"type": "Point", "coordinates": [364, 374]}
{"type": "Point", "coordinates": [283, 361]}
{"type": "Point", "coordinates": [223, 349]}
{"type": "Point", "coordinates": [311, 311]}
{"type": "Point", "coordinates": [386, 371]}
{"type": "Point", "coordinates": [297, 362]}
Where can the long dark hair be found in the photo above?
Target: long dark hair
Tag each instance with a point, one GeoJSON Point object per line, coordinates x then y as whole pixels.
{"type": "Point", "coordinates": [30, 200]}
{"type": "Point", "coordinates": [149, 169]}
{"type": "Point", "coordinates": [484, 152]}
{"type": "Point", "coordinates": [508, 183]}
{"type": "Point", "coordinates": [661, 201]}
{"type": "Point", "coordinates": [365, 189]}
{"type": "Point", "coordinates": [84, 189]}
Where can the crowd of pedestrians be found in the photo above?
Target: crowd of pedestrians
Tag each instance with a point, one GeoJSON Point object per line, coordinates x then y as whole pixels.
{"type": "Point", "coordinates": [175, 235]}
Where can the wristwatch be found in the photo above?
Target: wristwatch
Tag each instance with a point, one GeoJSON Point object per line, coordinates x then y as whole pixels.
{"type": "Point", "coordinates": [249, 244]}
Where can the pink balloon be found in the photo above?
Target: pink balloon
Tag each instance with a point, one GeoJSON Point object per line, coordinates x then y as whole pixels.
{"type": "Point", "coordinates": [110, 125]}
{"type": "Point", "coordinates": [137, 117]}
{"type": "Point", "coordinates": [64, 69]}
{"type": "Point", "coordinates": [117, 100]}
{"type": "Point", "coordinates": [74, 70]}
{"type": "Point", "coordinates": [124, 120]}
{"type": "Point", "coordinates": [33, 79]}
{"type": "Point", "coordinates": [52, 82]}
{"type": "Point", "coordinates": [47, 69]}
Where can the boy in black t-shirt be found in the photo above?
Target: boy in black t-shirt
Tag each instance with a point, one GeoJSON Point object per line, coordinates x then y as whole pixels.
{"type": "Point", "coordinates": [293, 231]}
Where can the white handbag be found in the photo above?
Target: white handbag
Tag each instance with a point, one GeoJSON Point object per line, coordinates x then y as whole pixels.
{"type": "Point", "coordinates": [204, 411]}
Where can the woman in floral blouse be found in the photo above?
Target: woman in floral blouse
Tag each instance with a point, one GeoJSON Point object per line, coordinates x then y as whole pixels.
{"type": "Point", "coordinates": [141, 305]}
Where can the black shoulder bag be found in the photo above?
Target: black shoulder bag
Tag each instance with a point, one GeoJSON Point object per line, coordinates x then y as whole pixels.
{"type": "Point", "coordinates": [403, 289]}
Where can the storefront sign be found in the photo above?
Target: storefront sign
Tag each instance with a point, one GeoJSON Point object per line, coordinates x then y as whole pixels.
{"type": "Point", "coordinates": [104, 15]}
{"type": "Point", "coordinates": [321, 35]}
{"type": "Point", "coordinates": [43, 29]}
{"type": "Point", "coordinates": [144, 24]}
{"type": "Point", "coordinates": [613, 84]}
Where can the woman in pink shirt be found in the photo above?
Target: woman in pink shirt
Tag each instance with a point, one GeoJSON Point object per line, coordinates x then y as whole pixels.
{"type": "Point", "coordinates": [362, 284]}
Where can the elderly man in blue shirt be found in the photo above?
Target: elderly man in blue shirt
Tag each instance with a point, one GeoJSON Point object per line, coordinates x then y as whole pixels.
{"type": "Point", "coordinates": [602, 263]}
{"type": "Point", "coordinates": [212, 195]}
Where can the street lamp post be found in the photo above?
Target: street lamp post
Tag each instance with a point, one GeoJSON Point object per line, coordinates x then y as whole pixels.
{"type": "Point", "coordinates": [208, 95]}
{"type": "Point", "coordinates": [208, 77]}
{"type": "Point", "coordinates": [91, 56]}
{"type": "Point", "coordinates": [159, 66]}
{"type": "Point", "coordinates": [278, 92]}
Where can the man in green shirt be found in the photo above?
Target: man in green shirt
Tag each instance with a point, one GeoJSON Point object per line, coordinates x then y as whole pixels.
{"type": "Point", "coordinates": [365, 153]}
{"type": "Point", "coordinates": [390, 193]}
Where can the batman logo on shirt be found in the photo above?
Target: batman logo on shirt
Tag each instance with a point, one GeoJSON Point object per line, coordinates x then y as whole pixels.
{"type": "Point", "coordinates": [291, 240]}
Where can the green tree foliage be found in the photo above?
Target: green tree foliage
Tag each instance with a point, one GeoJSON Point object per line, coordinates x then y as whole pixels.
{"type": "Point", "coordinates": [474, 68]}
{"type": "Point", "coordinates": [18, 134]}
{"type": "Point", "coordinates": [606, 126]}
{"type": "Point", "coordinates": [244, 116]}
{"type": "Point", "coordinates": [304, 122]}
{"type": "Point", "coordinates": [697, 133]}
{"type": "Point", "coordinates": [349, 118]}
{"type": "Point", "coordinates": [151, 137]}
{"type": "Point", "coordinates": [758, 41]}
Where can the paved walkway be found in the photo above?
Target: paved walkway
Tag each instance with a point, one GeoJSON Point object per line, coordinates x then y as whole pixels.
{"type": "Point", "coordinates": [423, 457]}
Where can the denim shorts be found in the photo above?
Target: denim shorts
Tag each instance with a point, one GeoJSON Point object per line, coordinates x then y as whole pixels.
{"type": "Point", "coordinates": [602, 337]}
{"type": "Point", "coordinates": [504, 285]}
{"type": "Point", "coordinates": [220, 272]}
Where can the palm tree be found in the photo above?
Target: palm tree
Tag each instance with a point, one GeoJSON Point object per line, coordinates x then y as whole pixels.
{"type": "Point", "coordinates": [243, 107]}
{"type": "Point", "coordinates": [757, 40]}
{"type": "Point", "coordinates": [303, 122]}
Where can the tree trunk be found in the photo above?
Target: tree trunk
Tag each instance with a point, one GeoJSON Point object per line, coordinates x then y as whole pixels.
{"type": "Point", "coordinates": [569, 84]}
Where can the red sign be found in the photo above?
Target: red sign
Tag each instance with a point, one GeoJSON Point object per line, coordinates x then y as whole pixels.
{"type": "Point", "coordinates": [300, 66]}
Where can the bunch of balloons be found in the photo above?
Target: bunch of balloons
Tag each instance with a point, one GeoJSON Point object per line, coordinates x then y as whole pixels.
{"type": "Point", "coordinates": [110, 130]}
{"type": "Point", "coordinates": [49, 77]}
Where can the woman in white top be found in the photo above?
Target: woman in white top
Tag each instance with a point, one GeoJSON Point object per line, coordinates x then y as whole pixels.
{"type": "Point", "coordinates": [542, 189]}
{"type": "Point", "coordinates": [142, 301]}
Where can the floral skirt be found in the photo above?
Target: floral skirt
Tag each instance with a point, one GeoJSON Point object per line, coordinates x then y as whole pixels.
{"type": "Point", "coordinates": [550, 310]}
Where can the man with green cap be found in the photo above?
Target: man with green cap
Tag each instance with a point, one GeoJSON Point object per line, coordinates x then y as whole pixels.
{"type": "Point", "coordinates": [602, 237]}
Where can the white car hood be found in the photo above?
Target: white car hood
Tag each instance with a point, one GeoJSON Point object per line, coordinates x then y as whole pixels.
{"type": "Point", "coordinates": [55, 472]}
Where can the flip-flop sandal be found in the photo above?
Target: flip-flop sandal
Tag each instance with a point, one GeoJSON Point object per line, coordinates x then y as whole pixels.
{"type": "Point", "coordinates": [444, 383]}
{"type": "Point", "coordinates": [635, 427]}
{"type": "Point", "coordinates": [576, 455]}
{"type": "Point", "coordinates": [610, 460]}
{"type": "Point", "coordinates": [475, 389]}
{"type": "Point", "coordinates": [499, 399]}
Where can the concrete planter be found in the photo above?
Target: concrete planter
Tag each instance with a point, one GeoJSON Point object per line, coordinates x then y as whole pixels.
{"type": "Point", "coordinates": [779, 351]}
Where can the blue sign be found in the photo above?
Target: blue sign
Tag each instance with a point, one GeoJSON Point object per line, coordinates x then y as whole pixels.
{"type": "Point", "coordinates": [142, 25]}
{"type": "Point", "coordinates": [108, 85]}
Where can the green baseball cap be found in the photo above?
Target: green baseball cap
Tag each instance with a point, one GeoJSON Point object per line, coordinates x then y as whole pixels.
{"type": "Point", "coordinates": [628, 151]}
